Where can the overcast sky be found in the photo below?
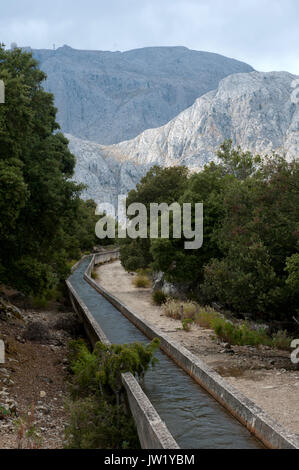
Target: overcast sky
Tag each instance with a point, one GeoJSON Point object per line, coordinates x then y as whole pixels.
{"type": "Point", "coordinates": [263, 33]}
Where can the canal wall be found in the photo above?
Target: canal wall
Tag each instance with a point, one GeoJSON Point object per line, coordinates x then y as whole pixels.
{"type": "Point", "coordinates": [152, 431]}
{"type": "Point", "coordinates": [267, 430]}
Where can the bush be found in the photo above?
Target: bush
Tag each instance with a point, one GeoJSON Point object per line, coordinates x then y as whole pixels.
{"type": "Point", "coordinates": [190, 309]}
{"type": "Point", "coordinates": [243, 335]}
{"type": "Point", "coordinates": [96, 424]}
{"type": "Point", "coordinates": [99, 414]}
{"type": "Point", "coordinates": [173, 309]}
{"type": "Point", "coordinates": [187, 323]}
{"type": "Point", "coordinates": [40, 302]}
{"type": "Point", "coordinates": [141, 281]}
{"type": "Point", "coordinates": [70, 323]}
{"type": "Point", "coordinates": [281, 340]}
{"type": "Point", "coordinates": [177, 309]}
{"type": "Point", "coordinates": [240, 335]}
{"type": "Point", "coordinates": [37, 331]}
{"type": "Point", "coordinates": [205, 317]}
{"type": "Point", "coordinates": [159, 297]}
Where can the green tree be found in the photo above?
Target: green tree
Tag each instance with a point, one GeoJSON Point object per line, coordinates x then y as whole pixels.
{"type": "Point", "coordinates": [43, 222]}
{"type": "Point", "coordinates": [160, 185]}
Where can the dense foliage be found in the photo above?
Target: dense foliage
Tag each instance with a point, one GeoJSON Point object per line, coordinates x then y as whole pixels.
{"type": "Point", "coordinates": [159, 186]}
{"type": "Point", "coordinates": [249, 259]}
{"type": "Point", "coordinates": [43, 221]}
{"type": "Point", "coordinates": [100, 417]}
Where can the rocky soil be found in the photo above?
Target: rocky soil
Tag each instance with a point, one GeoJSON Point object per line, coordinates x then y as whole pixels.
{"type": "Point", "coordinates": [33, 379]}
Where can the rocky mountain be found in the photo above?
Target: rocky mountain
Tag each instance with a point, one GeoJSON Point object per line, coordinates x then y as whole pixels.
{"type": "Point", "coordinates": [105, 178]}
{"type": "Point", "coordinates": [256, 110]}
{"type": "Point", "coordinates": [108, 97]}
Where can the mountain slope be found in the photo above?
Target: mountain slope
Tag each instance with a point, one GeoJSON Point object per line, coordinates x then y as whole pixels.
{"type": "Point", "coordinates": [108, 97]}
{"type": "Point", "coordinates": [105, 178]}
{"type": "Point", "coordinates": [255, 110]}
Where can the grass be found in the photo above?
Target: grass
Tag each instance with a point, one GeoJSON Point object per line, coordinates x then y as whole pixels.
{"type": "Point", "coordinates": [244, 335]}
{"type": "Point", "coordinates": [238, 334]}
{"type": "Point", "coordinates": [172, 309]}
{"type": "Point", "coordinates": [159, 297]}
{"type": "Point", "coordinates": [180, 310]}
{"type": "Point", "coordinates": [281, 340]}
{"type": "Point", "coordinates": [141, 281]}
{"type": "Point", "coordinates": [205, 317]}
{"type": "Point", "coordinates": [44, 301]}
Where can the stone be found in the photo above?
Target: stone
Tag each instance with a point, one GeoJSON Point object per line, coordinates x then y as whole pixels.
{"type": "Point", "coordinates": [43, 409]}
{"type": "Point", "coordinates": [226, 346]}
{"type": "Point", "coordinates": [20, 339]}
{"type": "Point", "coordinates": [158, 281]}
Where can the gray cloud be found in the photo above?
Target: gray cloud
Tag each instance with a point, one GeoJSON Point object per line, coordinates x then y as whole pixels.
{"type": "Point", "coordinates": [263, 33]}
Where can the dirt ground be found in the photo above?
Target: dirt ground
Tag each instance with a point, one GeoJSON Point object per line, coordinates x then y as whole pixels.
{"type": "Point", "coordinates": [33, 380]}
{"type": "Point", "coordinates": [266, 376]}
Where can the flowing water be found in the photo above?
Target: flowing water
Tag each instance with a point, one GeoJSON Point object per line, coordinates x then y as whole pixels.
{"type": "Point", "coordinates": [194, 418]}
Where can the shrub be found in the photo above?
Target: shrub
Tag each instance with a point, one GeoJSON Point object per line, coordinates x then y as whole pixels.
{"type": "Point", "coordinates": [141, 281]}
{"type": "Point", "coordinates": [38, 332]}
{"type": "Point", "coordinates": [190, 309]}
{"type": "Point", "coordinates": [145, 272]}
{"type": "Point", "coordinates": [187, 323]}
{"type": "Point", "coordinates": [70, 323]}
{"type": "Point", "coordinates": [173, 309]}
{"type": "Point", "coordinates": [159, 297]}
{"type": "Point", "coordinates": [281, 340]}
{"type": "Point", "coordinates": [177, 309]}
{"type": "Point", "coordinates": [99, 414]}
{"type": "Point", "coordinates": [96, 424]}
{"type": "Point", "coordinates": [240, 335]}
{"type": "Point", "coordinates": [4, 412]}
{"type": "Point", "coordinates": [40, 302]}
{"type": "Point", "coordinates": [205, 317]}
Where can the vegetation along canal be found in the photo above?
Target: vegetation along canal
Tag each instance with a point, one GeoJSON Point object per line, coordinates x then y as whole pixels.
{"type": "Point", "coordinates": [194, 418]}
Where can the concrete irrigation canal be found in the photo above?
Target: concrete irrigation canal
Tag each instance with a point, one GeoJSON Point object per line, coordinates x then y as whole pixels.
{"type": "Point", "coordinates": [193, 417]}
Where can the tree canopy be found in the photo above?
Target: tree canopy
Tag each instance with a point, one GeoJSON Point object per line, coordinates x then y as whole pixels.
{"type": "Point", "coordinates": [43, 221]}
{"type": "Point", "coordinates": [249, 258]}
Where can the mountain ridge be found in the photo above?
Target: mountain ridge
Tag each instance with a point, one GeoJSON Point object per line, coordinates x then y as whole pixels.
{"type": "Point", "coordinates": [108, 97]}
{"type": "Point", "coordinates": [255, 110]}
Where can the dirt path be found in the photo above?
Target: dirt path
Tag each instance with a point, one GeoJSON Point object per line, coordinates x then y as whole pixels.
{"type": "Point", "coordinates": [262, 374]}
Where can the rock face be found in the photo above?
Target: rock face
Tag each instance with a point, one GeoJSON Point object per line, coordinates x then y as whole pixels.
{"type": "Point", "coordinates": [256, 110]}
{"type": "Point", "coordinates": [108, 97]}
{"type": "Point", "coordinates": [106, 178]}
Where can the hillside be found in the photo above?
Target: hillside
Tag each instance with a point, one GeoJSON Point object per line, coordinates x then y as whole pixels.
{"type": "Point", "coordinates": [255, 110]}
